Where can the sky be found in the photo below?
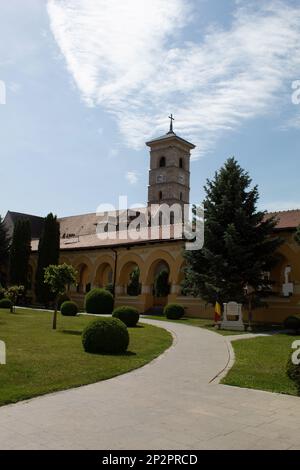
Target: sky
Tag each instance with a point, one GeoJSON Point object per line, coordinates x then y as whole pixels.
{"type": "Point", "coordinates": [88, 82]}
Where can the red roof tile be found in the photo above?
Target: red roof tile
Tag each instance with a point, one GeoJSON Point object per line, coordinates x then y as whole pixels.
{"type": "Point", "coordinates": [286, 219]}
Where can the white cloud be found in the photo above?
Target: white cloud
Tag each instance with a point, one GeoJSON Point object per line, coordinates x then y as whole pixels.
{"type": "Point", "coordinates": [132, 177]}
{"type": "Point", "coordinates": [124, 57]}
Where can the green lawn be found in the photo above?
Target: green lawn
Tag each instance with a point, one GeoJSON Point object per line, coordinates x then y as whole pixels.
{"type": "Point", "coordinates": [261, 363]}
{"type": "Point", "coordinates": [40, 360]}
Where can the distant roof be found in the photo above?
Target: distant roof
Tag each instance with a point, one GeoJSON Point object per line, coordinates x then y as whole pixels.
{"type": "Point", "coordinates": [122, 238]}
{"type": "Point", "coordinates": [286, 219]}
{"type": "Point", "coordinates": [36, 222]}
{"type": "Point", "coordinates": [170, 136]}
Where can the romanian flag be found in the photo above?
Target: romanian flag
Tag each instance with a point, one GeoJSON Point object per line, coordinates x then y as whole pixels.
{"type": "Point", "coordinates": [218, 312]}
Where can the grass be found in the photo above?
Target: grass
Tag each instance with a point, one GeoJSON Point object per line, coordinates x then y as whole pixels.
{"type": "Point", "coordinates": [260, 363]}
{"type": "Point", "coordinates": [40, 360]}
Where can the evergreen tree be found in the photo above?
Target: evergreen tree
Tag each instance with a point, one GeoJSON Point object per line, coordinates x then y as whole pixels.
{"type": "Point", "coordinates": [48, 254]}
{"type": "Point", "coordinates": [297, 236]}
{"type": "Point", "coordinates": [20, 253]}
{"type": "Point", "coordinates": [4, 251]}
{"type": "Point", "coordinates": [239, 241]}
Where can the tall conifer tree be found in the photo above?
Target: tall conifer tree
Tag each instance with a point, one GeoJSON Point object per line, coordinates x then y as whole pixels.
{"type": "Point", "coordinates": [20, 253]}
{"type": "Point", "coordinates": [239, 241]}
{"type": "Point", "coordinates": [48, 253]}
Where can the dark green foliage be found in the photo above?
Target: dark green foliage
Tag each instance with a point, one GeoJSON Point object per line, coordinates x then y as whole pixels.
{"type": "Point", "coordinates": [161, 284]}
{"type": "Point", "coordinates": [108, 336]}
{"type": "Point", "coordinates": [4, 250]}
{"type": "Point", "coordinates": [174, 311]}
{"type": "Point", "coordinates": [20, 253]}
{"type": "Point", "coordinates": [293, 372]}
{"type": "Point", "coordinates": [6, 303]}
{"type": "Point", "coordinates": [134, 286]}
{"type": "Point", "coordinates": [99, 301]}
{"type": "Point", "coordinates": [292, 323]}
{"type": "Point", "coordinates": [48, 254]}
{"type": "Point", "coordinates": [297, 236]}
{"type": "Point", "coordinates": [69, 309]}
{"type": "Point", "coordinates": [61, 299]}
{"type": "Point", "coordinates": [128, 315]}
{"type": "Point", "coordinates": [239, 241]}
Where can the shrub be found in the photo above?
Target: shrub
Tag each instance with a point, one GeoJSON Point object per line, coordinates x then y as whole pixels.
{"type": "Point", "coordinates": [69, 309]}
{"type": "Point", "coordinates": [61, 299]}
{"type": "Point", "coordinates": [128, 315]}
{"type": "Point", "coordinates": [293, 372]}
{"type": "Point", "coordinates": [174, 311]}
{"type": "Point", "coordinates": [292, 323]}
{"type": "Point", "coordinates": [6, 303]}
{"type": "Point", "coordinates": [108, 335]}
{"type": "Point", "coordinates": [99, 301]}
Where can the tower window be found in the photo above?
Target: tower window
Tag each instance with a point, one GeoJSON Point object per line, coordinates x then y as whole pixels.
{"type": "Point", "coordinates": [162, 162]}
{"type": "Point", "coordinates": [160, 195]}
{"type": "Point", "coordinates": [180, 196]}
{"type": "Point", "coordinates": [180, 163]}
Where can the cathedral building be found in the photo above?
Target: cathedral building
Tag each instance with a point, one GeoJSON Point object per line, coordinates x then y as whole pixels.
{"type": "Point", "coordinates": [110, 255]}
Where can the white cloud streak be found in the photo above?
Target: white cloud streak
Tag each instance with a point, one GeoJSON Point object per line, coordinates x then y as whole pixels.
{"type": "Point", "coordinates": [124, 57]}
{"type": "Point", "coordinates": [132, 177]}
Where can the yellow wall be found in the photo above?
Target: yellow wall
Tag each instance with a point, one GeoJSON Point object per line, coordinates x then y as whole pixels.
{"type": "Point", "coordinates": [95, 266]}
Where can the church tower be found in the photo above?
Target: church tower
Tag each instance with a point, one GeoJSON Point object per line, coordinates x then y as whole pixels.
{"type": "Point", "coordinates": [169, 174]}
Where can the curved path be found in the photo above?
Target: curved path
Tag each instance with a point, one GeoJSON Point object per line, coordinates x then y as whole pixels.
{"type": "Point", "coordinates": [170, 403]}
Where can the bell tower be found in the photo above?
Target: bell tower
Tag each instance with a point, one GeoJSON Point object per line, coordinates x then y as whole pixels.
{"type": "Point", "coordinates": [169, 174]}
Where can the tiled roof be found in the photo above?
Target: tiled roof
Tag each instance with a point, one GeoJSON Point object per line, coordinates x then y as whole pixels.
{"type": "Point", "coordinates": [106, 240]}
{"type": "Point", "coordinates": [170, 136]}
{"type": "Point", "coordinates": [286, 219]}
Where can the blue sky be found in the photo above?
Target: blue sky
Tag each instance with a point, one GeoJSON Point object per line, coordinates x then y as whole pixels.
{"type": "Point", "coordinates": [88, 82]}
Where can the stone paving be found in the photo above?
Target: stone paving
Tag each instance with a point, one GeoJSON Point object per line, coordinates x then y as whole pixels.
{"type": "Point", "coordinates": [171, 403]}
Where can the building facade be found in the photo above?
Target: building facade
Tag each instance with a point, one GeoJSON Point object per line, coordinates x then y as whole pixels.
{"type": "Point", "coordinates": [111, 258]}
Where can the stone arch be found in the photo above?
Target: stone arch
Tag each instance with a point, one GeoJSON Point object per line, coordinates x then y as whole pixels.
{"type": "Point", "coordinates": [127, 265]}
{"type": "Point", "coordinates": [64, 259]}
{"type": "Point", "coordinates": [84, 272]}
{"type": "Point", "coordinates": [159, 256]}
{"type": "Point", "coordinates": [104, 274]}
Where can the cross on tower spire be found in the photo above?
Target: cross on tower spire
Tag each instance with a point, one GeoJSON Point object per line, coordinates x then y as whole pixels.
{"type": "Point", "coordinates": [171, 124]}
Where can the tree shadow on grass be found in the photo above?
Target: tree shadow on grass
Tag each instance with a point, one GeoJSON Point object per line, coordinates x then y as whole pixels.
{"type": "Point", "coordinates": [123, 354]}
{"type": "Point", "coordinates": [72, 332]}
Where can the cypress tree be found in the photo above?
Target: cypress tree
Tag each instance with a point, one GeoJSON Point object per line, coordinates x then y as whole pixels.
{"type": "Point", "coordinates": [20, 253]}
{"type": "Point", "coordinates": [239, 241]}
{"type": "Point", "coordinates": [4, 251]}
{"type": "Point", "coordinates": [48, 254]}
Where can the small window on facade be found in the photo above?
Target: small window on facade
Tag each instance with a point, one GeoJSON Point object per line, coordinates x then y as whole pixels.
{"type": "Point", "coordinates": [180, 196]}
{"type": "Point", "coordinates": [162, 162]}
{"type": "Point", "coordinates": [160, 195]}
{"type": "Point", "coordinates": [180, 163]}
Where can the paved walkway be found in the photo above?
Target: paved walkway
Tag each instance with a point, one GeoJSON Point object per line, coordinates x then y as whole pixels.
{"type": "Point", "coordinates": [170, 403]}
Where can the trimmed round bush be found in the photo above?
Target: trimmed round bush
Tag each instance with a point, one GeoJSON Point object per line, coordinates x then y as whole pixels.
{"type": "Point", "coordinates": [6, 303]}
{"type": "Point", "coordinates": [106, 336]}
{"type": "Point", "coordinates": [69, 309]}
{"type": "Point", "coordinates": [99, 301]}
{"type": "Point", "coordinates": [293, 372]}
{"type": "Point", "coordinates": [174, 311]}
{"type": "Point", "coordinates": [292, 323]}
{"type": "Point", "coordinates": [128, 315]}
